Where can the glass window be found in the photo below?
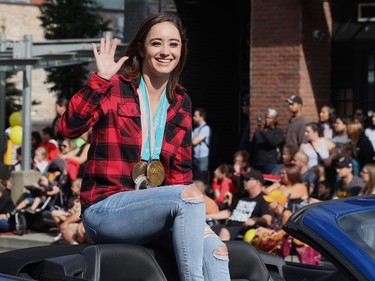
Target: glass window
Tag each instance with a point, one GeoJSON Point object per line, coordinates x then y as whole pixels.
{"type": "Point", "coordinates": [361, 228]}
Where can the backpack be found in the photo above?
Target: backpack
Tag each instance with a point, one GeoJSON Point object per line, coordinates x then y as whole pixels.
{"type": "Point", "coordinates": [212, 144]}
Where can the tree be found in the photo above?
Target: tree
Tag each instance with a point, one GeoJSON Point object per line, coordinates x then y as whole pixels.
{"type": "Point", "coordinates": [70, 19]}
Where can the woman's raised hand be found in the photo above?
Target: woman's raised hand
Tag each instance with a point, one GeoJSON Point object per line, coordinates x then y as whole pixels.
{"type": "Point", "coordinates": [105, 58]}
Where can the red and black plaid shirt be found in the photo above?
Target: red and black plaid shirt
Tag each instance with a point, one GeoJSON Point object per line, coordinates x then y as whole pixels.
{"type": "Point", "coordinates": [111, 109]}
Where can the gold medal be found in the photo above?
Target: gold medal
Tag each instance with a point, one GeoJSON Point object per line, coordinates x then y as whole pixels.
{"type": "Point", "coordinates": [139, 170]}
{"type": "Point", "coordinates": [155, 173]}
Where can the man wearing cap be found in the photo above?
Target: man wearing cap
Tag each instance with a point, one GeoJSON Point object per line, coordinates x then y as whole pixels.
{"type": "Point", "coordinates": [266, 143]}
{"type": "Point", "coordinates": [348, 184]}
{"type": "Point", "coordinates": [276, 202]}
{"type": "Point", "coordinates": [295, 132]}
{"type": "Point", "coordinates": [246, 212]}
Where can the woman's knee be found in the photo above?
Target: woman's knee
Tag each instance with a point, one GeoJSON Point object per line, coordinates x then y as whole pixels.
{"type": "Point", "coordinates": [218, 249]}
{"type": "Point", "coordinates": [192, 194]}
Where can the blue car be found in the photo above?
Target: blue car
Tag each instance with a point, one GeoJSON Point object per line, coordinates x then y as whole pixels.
{"type": "Point", "coordinates": [343, 231]}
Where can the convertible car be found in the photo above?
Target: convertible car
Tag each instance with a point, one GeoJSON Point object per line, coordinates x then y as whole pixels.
{"type": "Point", "coordinates": [343, 231]}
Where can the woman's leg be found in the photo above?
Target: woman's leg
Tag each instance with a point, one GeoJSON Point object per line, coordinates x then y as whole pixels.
{"type": "Point", "coordinates": [141, 216]}
{"type": "Point", "coordinates": [215, 257]}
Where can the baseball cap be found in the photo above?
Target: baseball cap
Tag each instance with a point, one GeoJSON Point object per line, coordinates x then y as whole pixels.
{"type": "Point", "coordinates": [294, 99]}
{"type": "Point", "coordinates": [276, 196]}
{"type": "Point", "coordinates": [344, 162]}
{"type": "Point", "coordinates": [271, 112]}
{"type": "Point", "coordinates": [254, 175]}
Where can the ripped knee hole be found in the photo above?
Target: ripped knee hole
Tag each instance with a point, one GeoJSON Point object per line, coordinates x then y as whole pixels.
{"type": "Point", "coordinates": [192, 194]}
{"type": "Point", "coordinates": [221, 252]}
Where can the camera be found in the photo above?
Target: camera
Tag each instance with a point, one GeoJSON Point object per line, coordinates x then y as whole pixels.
{"type": "Point", "coordinates": [260, 120]}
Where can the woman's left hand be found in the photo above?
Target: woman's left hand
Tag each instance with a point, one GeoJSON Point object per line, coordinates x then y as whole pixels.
{"type": "Point", "coordinates": [105, 58]}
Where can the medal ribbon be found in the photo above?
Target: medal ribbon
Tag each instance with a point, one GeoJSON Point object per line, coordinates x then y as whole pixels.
{"type": "Point", "coordinates": [152, 132]}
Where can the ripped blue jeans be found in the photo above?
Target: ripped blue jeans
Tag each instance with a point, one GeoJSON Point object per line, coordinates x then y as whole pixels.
{"type": "Point", "coordinates": [143, 215]}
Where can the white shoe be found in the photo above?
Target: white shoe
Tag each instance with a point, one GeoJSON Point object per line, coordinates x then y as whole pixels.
{"type": "Point", "coordinates": [57, 237]}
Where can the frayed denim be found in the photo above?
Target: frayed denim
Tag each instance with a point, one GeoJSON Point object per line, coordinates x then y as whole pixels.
{"type": "Point", "coordinates": [141, 216]}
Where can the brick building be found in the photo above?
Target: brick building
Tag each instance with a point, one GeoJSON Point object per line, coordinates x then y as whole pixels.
{"type": "Point", "coordinates": [269, 49]}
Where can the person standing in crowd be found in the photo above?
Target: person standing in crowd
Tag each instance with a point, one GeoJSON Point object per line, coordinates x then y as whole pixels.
{"type": "Point", "coordinates": [327, 118]}
{"type": "Point", "coordinates": [137, 185]}
{"type": "Point", "coordinates": [244, 141]}
{"type": "Point", "coordinates": [370, 130]}
{"type": "Point", "coordinates": [368, 176]}
{"type": "Point", "coordinates": [266, 143]}
{"type": "Point", "coordinates": [295, 132]}
{"type": "Point", "coordinates": [201, 145]}
{"type": "Point", "coordinates": [363, 150]}
{"type": "Point", "coordinates": [320, 150]}
{"type": "Point", "coordinates": [60, 107]}
{"type": "Point", "coordinates": [341, 132]}
{"type": "Point", "coordinates": [361, 117]}
{"type": "Point", "coordinates": [347, 184]}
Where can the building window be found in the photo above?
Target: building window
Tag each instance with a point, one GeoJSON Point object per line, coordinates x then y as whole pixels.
{"type": "Point", "coordinates": [345, 102]}
{"type": "Point", "coordinates": [369, 97]}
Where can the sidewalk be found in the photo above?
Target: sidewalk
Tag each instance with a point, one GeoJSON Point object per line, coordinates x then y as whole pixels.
{"type": "Point", "coordinates": [10, 242]}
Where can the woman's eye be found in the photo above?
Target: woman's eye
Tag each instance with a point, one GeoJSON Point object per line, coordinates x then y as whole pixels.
{"type": "Point", "coordinates": [156, 43]}
{"type": "Point", "coordinates": [174, 44]}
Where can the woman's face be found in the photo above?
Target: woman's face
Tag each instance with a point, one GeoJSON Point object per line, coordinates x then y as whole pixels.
{"type": "Point", "coordinates": [324, 114]}
{"type": "Point", "coordinates": [310, 134]}
{"type": "Point", "coordinates": [162, 50]}
{"type": "Point", "coordinates": [284, 176]}
{"type": "Point", "coordinates": [339, 126]}
{"type": "Point", "coordinates": [364, 175]}
{"type": "Point", "coordinates": [65, 147]}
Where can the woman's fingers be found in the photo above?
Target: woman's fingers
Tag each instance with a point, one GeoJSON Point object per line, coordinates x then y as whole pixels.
{"type": "Point", "coordinates": [107, 46]}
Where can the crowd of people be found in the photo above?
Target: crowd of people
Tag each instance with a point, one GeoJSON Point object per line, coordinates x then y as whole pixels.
{"type": "Point", "coordinates": [279, 171]}
{"type": "Point", "coordinates": [60, 162]}
{"type": "Point", "coordinates": [273, 173]}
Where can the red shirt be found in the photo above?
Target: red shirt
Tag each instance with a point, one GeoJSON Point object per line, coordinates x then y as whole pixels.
{"type": "Point", "coordinates": [112, 109]}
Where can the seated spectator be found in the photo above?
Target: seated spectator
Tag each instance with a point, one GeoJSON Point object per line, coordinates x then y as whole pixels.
{"type": "Point", "coordinates": [223, 186]}
{"type": "Point", "coordinates": [287, 155]}
{"type": "Point", "coordinates": [79, 154]}
{"type": "Point", "coordinates": [67, 145]}
{"type": "Point", "coordinates": [246, 212]}
{"type": "Point", "coordinates": [43, 189]}
{"type": "Point", "coordinates": [49, 143]}
{"type": "Point", "coordinates": [292, 186]}
{"type": "Point", "coordinates": [347, 150]}
{"type": "Point", "coordinates": [40, 161]}
{"type": "Point", "coordinates": [211, 205]}
{"type": "Point", "coordinates": [62, 214]}
{"type": "Point", "coordinates": [6, 207]}
{"type": "Point", "coordinates": [308, 176]}
{"type": "Point", "coordinates": [348, 184]}
{"type": "Point", "coordinates": [241, 166]}
{"type": "Point", "coordinates": [276, 203]}
{"type": "Point", "coordinates": [368, 176]}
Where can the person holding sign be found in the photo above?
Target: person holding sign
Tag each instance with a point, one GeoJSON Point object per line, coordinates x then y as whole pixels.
{"type": "Point", "coordinates": [137, 186]}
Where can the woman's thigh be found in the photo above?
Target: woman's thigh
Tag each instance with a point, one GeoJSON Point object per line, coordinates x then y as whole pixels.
{"type": "Point", "coordinates": [133, 216]}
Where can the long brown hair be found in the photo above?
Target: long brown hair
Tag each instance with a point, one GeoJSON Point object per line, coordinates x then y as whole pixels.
{"type": "Point", "coordinates": [293, 173]}
{"type": "Point", "coordinates": [132, 66]}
